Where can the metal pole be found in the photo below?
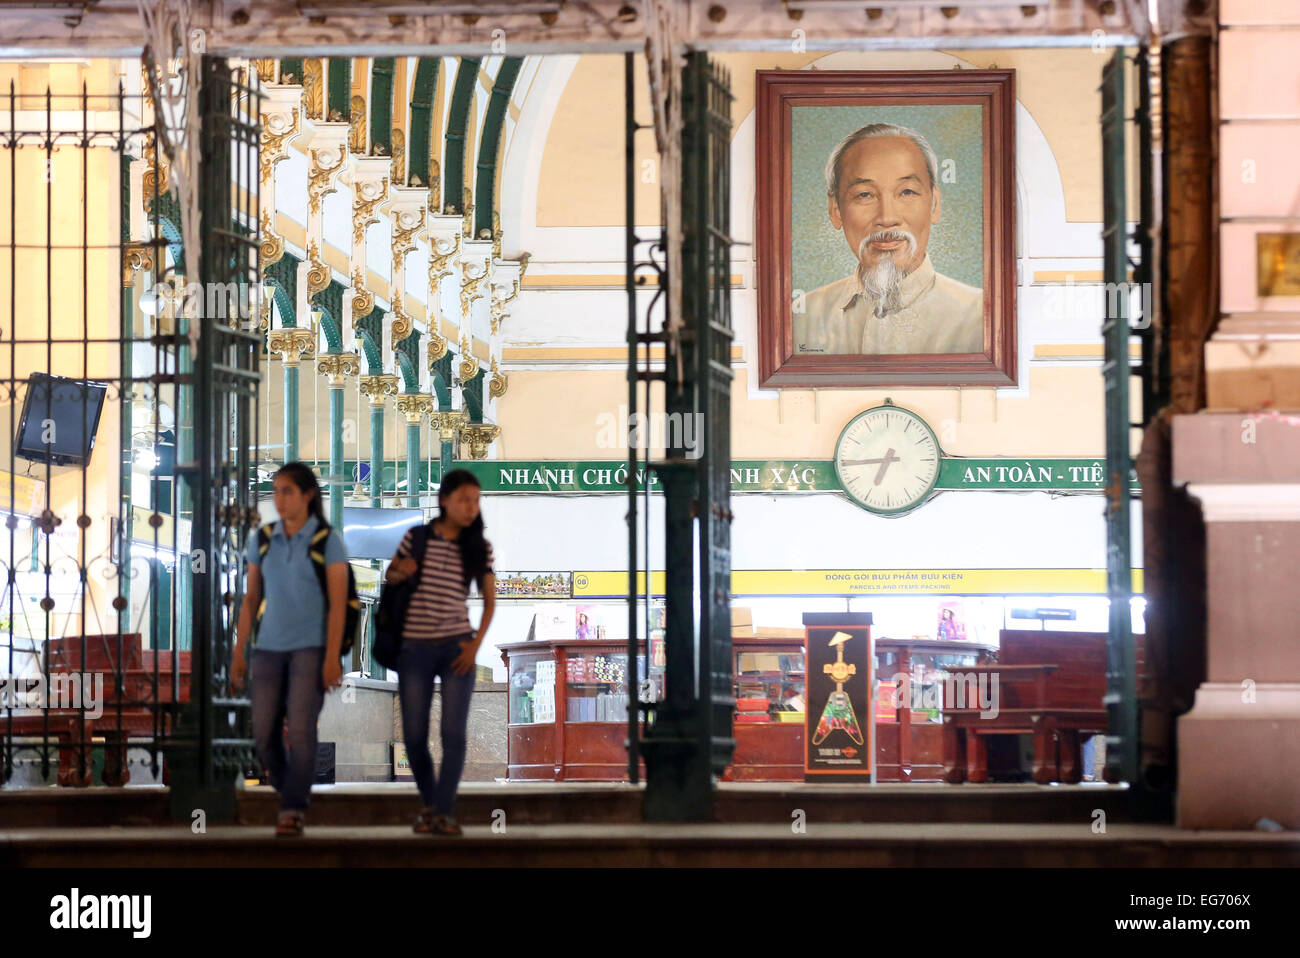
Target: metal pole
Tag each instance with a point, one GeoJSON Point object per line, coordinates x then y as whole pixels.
{"type": "Point", "coordinates": [629, 234]}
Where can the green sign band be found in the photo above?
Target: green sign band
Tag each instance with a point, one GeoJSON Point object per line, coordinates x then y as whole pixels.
{"type": "Point", "coordinates": [789, 475]}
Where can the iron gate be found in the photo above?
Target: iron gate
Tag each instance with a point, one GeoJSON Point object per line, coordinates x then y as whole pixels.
{"type": "Point", "coordinates": [111, 399]}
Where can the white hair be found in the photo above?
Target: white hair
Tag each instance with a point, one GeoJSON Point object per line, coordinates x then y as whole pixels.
{"type": "Point", "coordinates": [833, 170]}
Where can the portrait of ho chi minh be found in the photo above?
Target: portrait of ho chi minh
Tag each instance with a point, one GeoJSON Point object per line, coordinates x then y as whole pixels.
{"type": "Point", "coordinates": [882, 193]}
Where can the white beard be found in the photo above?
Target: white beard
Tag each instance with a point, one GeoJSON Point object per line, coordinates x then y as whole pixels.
{"type": "Point", "coordinates": [881, 282]}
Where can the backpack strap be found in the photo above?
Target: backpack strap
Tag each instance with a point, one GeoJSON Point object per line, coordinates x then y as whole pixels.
{"type": "Point", "coordinates": [263, 545]}
{"type": "Point", "coordinates": [316, 549]}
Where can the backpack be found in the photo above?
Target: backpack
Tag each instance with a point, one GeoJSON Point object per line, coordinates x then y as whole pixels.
{"type": "Point", "coordinates": [316, 549]}
{"type": "Point", "coordinates": [394, 599]}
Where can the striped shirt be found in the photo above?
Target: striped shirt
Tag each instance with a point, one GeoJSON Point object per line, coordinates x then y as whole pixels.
{"type": "Point", "coordinates": [438, 609]}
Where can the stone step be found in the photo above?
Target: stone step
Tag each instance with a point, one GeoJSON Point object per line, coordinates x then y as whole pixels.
{"type": "Point", "coordinates": [614, 803]}
{"type": "Point", "coordinates": [641, 845]}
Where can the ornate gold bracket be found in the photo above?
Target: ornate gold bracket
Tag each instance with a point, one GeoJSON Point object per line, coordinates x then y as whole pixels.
{"type": "Point", "coordinates": [405, 225]}
{"type": "Point", "coordinates": [436, 349]}
{"type": "Point", "coordinates": [366, 199]}
{"type": "Point", "coordinates": [292, 344]}
{"type": "Point", "coordinates": [469, 289]}
{"type": "Point", "coordinates": [499, 304]}
{"type": "Point", "coordinates": [357, 126]}
{"type": "Point", "coordinates": [498, 383]}
{"type": "Point", "coordinates": [321, 173]}
{"type": "Point", "coordinates": [313, 88]}
{"type": "Point", "coordinates": [363, 301]}
{"type": "Point", "coordinates": [379, 387]}
{"type": "Point", "coordinates": [338, 366]}
{"type": "Point", "coordinates": [399, 156]}
{"type": "Point", "coordinates": [277, 130]}
{"type": "Point", "coordinates": [271, 249]}
{"type": "Point", "coordinates": [479, 436]}
{"type": "Point", "coordinates": [318, 274]}
{"type": "Point", "coordinates": [154, 183]}
{"type": "Point", "coordinates": [467, 214]}
{"type": "Point", "coordinates": [402, 324]}
{"type": "Point", "coordinates": [468, 367]}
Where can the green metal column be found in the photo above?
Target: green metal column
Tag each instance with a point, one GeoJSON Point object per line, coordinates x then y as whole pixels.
{"type": "Point", "coordinates": [412, 463]}
{"type": "Point", "coordinates": [376, 453]}
{"type": "Point", "coordinates": [336, 455]}
{"type": "Point", "coordinates": [185, 453]}
{"type": "Point", "coordinates": [1121, 670]}
{"type": "Point", "coordinates": [336, 367]}
{"type": "Point", "coordinates": [290, 411]}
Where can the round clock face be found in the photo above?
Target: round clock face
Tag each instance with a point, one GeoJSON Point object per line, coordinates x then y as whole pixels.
{"type": "Point", "coordinates": [887, 460]}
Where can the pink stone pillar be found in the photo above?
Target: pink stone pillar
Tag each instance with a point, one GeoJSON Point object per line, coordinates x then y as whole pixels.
{"type": "Point", "coordinates": [1239, 746]}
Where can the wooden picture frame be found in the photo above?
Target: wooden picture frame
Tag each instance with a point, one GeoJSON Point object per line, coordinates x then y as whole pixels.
{"type": "Point", "coordinates": [829, 330]}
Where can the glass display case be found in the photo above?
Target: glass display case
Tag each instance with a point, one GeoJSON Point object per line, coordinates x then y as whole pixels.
{"type": "Point", "coordinates": [909, 734]}
{"type": "Point", "coordinates": [569, 706]}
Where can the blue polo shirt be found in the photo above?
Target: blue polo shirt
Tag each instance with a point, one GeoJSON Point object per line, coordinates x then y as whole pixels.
{"type": "Point", "coordinates": [295, 603]}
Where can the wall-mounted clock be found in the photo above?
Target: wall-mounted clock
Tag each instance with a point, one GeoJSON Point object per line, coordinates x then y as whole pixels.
{"type": "Point", "coordinates": [887, 460]}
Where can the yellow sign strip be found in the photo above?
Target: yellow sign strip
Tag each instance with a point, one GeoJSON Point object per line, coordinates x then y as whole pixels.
{"type": "Point", "coordinates": [875, 582]}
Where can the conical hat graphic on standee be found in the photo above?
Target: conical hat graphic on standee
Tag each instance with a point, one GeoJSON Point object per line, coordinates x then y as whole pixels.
{"type": "Point", "coordinates": [838, 713]}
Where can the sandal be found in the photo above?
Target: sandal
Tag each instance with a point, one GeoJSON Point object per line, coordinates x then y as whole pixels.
{"type": "Point", "coordinates": [423, 822]}
{"type": "Point", "coordinates": [446, 825]}
{"type": "Point", "coordinates": [289, 825]}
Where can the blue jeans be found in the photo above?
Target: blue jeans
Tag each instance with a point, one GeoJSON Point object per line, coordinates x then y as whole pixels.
{"type": "Point", "coordinates": [287, 684]}
{"type": "Point", "coordinates": [1089, 754]}
{"type": "Point", "coordinates": [417, 665]}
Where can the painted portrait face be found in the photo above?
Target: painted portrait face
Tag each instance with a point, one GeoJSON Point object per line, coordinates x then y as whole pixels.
{"type": "Point", "coordinates": [885, 203]}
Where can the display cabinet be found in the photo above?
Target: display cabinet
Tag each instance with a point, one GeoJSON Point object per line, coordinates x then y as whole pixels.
{"type": "Point", "coordinates": [568, 702]}
{"type": "Point", "coordinates": [909, 737]}
{"type": "Point", "coordinates": [568, 707]}
{"type": "Point", "coordinates": [769, 682]}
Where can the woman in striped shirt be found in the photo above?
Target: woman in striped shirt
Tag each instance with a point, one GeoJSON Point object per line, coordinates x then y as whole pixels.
{"type": "Point", "coordinates": [437, 640]}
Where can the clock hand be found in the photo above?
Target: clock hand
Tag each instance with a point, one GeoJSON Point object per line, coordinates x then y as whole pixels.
{"type": "Point", "coordinates": [884, 464]}
{"type": "Point", "coordinates": [861, 462]}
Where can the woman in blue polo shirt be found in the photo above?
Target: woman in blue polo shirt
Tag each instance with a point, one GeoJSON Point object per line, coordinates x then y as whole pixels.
{"type": "Point", "coordinates": [295, 658]}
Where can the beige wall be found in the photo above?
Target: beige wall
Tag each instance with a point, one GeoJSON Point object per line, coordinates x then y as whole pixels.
{"type": "Point", "coordinates": [581, 180]}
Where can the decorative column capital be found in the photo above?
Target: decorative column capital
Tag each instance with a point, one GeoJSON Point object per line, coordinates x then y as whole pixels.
{"type": "Point", "coordinates": [338, 366]}
{"type": "Point", "coordinates": [479, 436]}
{"type": "Point", "coordinates": [136, 257]}
{"type": "Point", "coordinates": [449, 423]}
{"type": "Point", "coordinates": [292, 344]}
{"type": "Point", "coordinates": [379, 387]}
{"type": "Point", "coordinates": [414, 406]}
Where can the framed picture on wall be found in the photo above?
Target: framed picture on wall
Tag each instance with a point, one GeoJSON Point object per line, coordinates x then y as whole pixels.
{"type": "Point", "coordinates": [886, 247]}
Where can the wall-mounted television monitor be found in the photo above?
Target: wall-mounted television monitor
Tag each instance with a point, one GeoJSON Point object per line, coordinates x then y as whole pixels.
{"type": "Point", "coordinates": [59, 421]}
{"type": "Point", "coordinates": [376, 533]}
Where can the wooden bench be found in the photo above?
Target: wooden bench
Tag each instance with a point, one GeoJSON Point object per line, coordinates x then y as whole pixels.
{"type": "Point", "coordinates": [136, 703]}
{"type": "Point", "coordinates": [1050, 685]}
